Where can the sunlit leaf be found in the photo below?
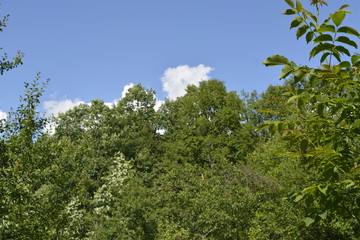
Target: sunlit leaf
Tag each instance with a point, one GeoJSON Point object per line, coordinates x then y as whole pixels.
{"type": "Point", "coordinates": [326, 28]}
{"type": "Point", "coordinates": [308, 221]}
{"type": "Point", "coordinates": [338, 17]}
{"type": "Point", "coordinates": [323, 38]}
{"type": "Point", "coordinates": [276, 60]}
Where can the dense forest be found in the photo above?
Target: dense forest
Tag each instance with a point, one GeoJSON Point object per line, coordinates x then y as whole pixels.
{"type": "Point", "coordinates": [212, 164]}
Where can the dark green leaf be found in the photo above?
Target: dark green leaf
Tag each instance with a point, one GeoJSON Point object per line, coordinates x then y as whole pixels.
{"type": "Point", "coordinates": [309, 36]}
{"type": "Point", "coordinates": [289, 12]}
{"type": "Point", "coordinates": [324, 56]}
{"type": "Point", "coordinates": [296, 22]}
{"type": "Point", "coordinates": [321, 47]}
{"type": "Point", "coordinates": [346, 40]}
{"type": "Point", "coordinates": [355, 58]}
{"type": "Point", "coordinates": [326, 28]}
{"type": "Point", "coordinates": [290, 3]}
{"type": "Point", "coordinates": [323, 38]}
{"type": "Point", "coordinates": [349, 30]}
{"type": "Point", "coordinates": [276, 60]}
{"type": "Point", "coordinates": [338, 17]}
{"type": "Point", "coordinates": [345, 64]}
{"type": "Point", "coordinates": [301, 31]}
{"type": "Point", "coordinates": [343, 50]}
{"type": "Point", "coordinates": [303, 145]}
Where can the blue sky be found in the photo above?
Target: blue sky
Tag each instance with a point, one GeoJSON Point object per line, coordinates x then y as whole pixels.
{"type": "Point", "coordinates": [93, 49]}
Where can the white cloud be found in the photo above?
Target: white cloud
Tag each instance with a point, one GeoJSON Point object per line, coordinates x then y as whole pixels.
{"type": "Point", "coordinates": [55, 107]}
{"type": "Point", "coordinates": [126, 89]}
{"type": "Point", "coordinates": [175, 80]}
{"type": "Point", "coordinates": [3, 115]}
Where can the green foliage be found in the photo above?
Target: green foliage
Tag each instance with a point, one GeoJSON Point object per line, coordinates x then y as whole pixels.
{"type": "Point", "coordinates": [5, 64]}
{"type": "Point", "coordinates": [324, 135]}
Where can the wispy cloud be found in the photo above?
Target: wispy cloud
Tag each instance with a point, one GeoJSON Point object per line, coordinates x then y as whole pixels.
{"type": "Point", "coordinates": [175, 80]}
{"type": "Point", "coordinates": [55, 107]}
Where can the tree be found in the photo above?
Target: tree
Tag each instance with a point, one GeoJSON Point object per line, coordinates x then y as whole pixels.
{"type": "Point", "coordinates": [5, 64]}
{"type": "Point", "coordinates": [325, 133]}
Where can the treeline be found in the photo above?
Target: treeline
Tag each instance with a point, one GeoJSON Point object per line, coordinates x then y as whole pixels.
{"type": "Point", "coordinates": [283, 164]}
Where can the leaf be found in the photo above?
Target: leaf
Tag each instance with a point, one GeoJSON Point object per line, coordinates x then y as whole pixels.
{"type": "Point", "coordinates": [309, 36]}
{"type": "Point", "coordinates": [321, 47]}
{"type": "Point", "coordinates": [343, 50]}
{"type": "Point", "coordinates": [347, 41]}
{"type": "Point", "coordinates": [323, 189]}
{"type": "Point", "coordinates": [296, 22]}
{"type": "Point", "coordinates": [323, 215]}
{"type": "Point", "coordinates": [301, 31]}
{"type": "Point", "coordinates": [323, 38]}
{"type": "Point", "coordinates": [298, 198]}
{"type": "Point", "coordinates": [324, 56]}
{"type": "Point", "coordinates": [303, 145]}
{"type": "Point", "coordinates": [308, 221]}
{"type": "Point", "coordinates": [344, 6]}
{"type": "Point", "coordinates": [293, 98]}
{"type": "Point", "coordinates": [289, 12]}
{"type": "Point", "coordinates": [345, 64]}
{"type": "Point", "coordinates": [326, 28]}
{"type": "Point", "coordinates": [290, 3]}
{"type": "Point", "coordinates": [349, 30]}
{"type": "Point", "coordinates": [338, 17]}
{"type": "Point", "coordinates": [286, 71]}
{"type": "Point", "coordinates": [355, 58]}
{"type": "Point", "coordinates": [276, 60]}
{"type": "Point", "coordinates": [298, 6]}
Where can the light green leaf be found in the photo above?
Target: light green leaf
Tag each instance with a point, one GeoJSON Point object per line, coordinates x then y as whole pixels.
{"type": "Point", "coordinates": [323, 215]}
{"type": "Point", "coordinates": [298, 6]}
{"type": "Point", "coordinates": [296, 22]}
{"type": "Point", "coordinates": [326, 28]}
{"type": "Point", "coordinates": [346, 40]}
{"type": "Point", "coordinates": [301, 31]}
{"type": "Point", "coordinates": [293, 98]}
{"type": "Point", "coordinates": [338, 17]}
{"type": "Point", "coordinates": [276, 60]}
{"type": "Point", "coordinates": [323, 38]}
{"type": "Point", "coordinates": [323, 189]}
{"type": "Point", "coordinates": [344, 6]}
{"type": "Point", "coordinates": [298, 198]}
{"type": "Point", "coordinates": [308, 221]}
{"type": "Point", "coordinates": [286, 71]}
{"type": "Point", "coordinates": [349, 30]}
